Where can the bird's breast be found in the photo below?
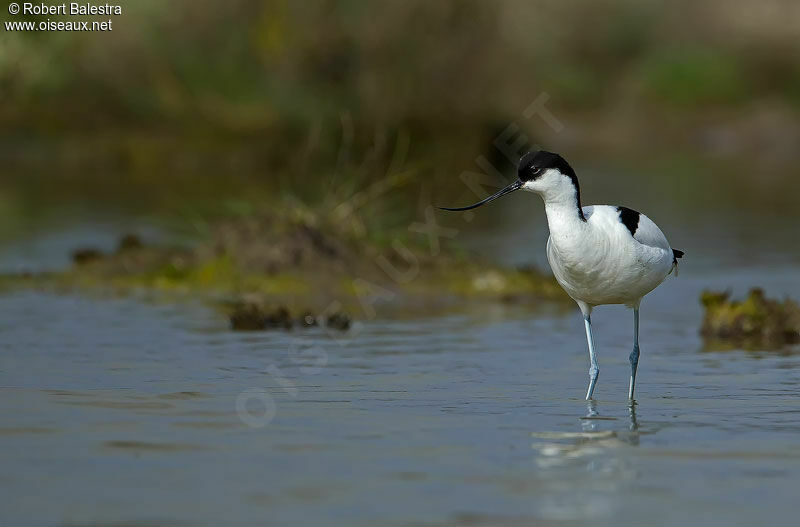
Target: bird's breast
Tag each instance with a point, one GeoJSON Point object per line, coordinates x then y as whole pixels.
{"type": "Point", "coordinates": [599, 269]}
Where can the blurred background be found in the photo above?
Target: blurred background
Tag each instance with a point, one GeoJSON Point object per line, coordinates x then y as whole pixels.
{"type": "Point", "coordinates": [189, 108]}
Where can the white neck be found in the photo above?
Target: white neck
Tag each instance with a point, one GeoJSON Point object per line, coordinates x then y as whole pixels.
{"type": "Point", "coordinates": [561, 206]}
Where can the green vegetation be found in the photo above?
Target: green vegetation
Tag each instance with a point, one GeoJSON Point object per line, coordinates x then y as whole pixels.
{"type": "Point", "coordinates": [757, 322]}
{"type": "Point", "coordinates": [295, 261]}
{"type": "Point", "coordinates": [697, 76]}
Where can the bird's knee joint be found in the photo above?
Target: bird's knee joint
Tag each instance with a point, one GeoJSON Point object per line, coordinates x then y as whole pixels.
{"type": "Point", "coordinates": [634, 356]}
{"type": "Point", "coordinates": [594, 371]}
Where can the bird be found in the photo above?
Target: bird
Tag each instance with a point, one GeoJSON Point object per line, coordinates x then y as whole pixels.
{"type": "Point", "coordinates": [599, 254]}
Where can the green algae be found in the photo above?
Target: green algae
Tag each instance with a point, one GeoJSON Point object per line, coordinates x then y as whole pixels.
{"type": "Point", "coordinates": [757, 322]}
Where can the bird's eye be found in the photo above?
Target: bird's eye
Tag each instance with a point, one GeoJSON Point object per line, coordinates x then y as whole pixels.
{"type": "Point", "coordinates": [530, 173]}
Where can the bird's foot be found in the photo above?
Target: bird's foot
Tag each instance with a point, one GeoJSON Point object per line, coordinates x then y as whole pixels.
{"type": "Point", "coordinates": [594, 372]}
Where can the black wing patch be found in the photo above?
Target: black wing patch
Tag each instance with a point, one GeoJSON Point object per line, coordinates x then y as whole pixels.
{"type": "Point", "coordinates": [629, 218]}
{"type": "Point", "coordinates": [676, 253]}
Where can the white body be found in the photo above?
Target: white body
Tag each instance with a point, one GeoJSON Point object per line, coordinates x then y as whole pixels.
{"type": "Point", "coordinates": [599, 262]}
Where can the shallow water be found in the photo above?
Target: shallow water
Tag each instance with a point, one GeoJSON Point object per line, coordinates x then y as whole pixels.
{"type": "Point", "coordinates": [124, 412]}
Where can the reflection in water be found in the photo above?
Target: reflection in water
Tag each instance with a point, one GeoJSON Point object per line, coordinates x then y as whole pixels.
{"type": "Point", "coordinates": [593, 463]}
{"type": "Point", "coordinates": [597, 435]}
{"type": "Point", "coordinates": [634, 423]}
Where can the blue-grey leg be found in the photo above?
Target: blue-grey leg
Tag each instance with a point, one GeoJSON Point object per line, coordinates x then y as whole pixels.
{"type": "Point", "coordinates": [634, 357]}
{"type": "Point", "coordinates": [594, 370]}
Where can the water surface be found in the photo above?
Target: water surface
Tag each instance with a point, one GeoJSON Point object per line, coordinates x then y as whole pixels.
{"type": "Point", "coordinates": [124, 412]}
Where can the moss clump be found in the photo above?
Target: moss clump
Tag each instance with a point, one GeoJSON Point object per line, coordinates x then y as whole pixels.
{"type": "Point", "coordinates": [85, 255]}
{"type": "Point", "coordinates": [129, 242]}
{"type": "Point", "coordinates": [248, 317]}
{"type": "Point", "coordinates": [253, 314]}
{"type": "Point", "coordinates": [756, 322]}
{"type": "Point", "coordinates": [339, 320]}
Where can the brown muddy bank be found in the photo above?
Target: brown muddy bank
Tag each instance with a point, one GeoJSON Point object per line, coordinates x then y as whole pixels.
{"type": "Point", "coordinates": [294, 269]}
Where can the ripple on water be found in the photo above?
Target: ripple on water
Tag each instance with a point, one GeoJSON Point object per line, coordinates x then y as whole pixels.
{"type": "Point", "coordinates": [184, 395]}
{"type": "Point", "coordinates": [21, 430]}
{"type": "Point", "coordinates": [209, 425]}
{"type": "Point", "coordinates": [151, 446]}
{"type": "Point", "coordinates": [121, 405]}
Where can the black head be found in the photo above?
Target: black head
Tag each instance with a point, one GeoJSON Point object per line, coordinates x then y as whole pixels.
{"type": "Point", "coordinates": [531, 167]}
{"type": "Point", "coordinates": [533, 164]}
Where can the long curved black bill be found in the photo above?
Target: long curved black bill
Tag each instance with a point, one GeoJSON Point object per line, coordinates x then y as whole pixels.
{"type": "Point", "coordinates": [509, 189]}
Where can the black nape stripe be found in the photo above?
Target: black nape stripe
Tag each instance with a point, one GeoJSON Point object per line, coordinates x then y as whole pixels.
{"type": "Point", "coordinates": [533, 165]}
{"type": "Point", "coordinates": [629, 218]}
